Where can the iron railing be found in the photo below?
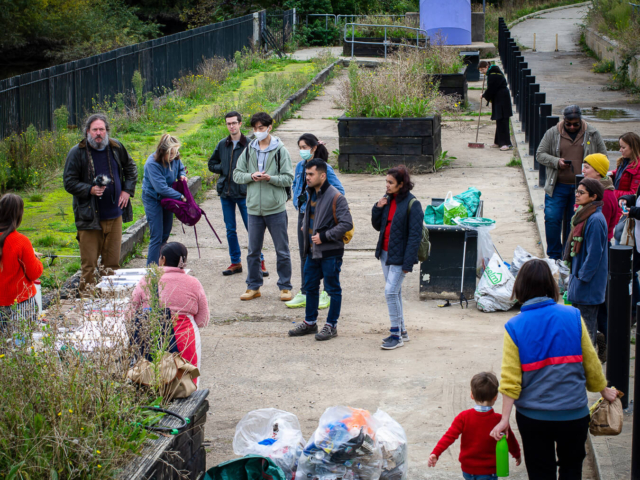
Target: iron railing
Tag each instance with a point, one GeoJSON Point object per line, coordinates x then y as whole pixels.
{"type": "Point", "coordinates": [421, 42]}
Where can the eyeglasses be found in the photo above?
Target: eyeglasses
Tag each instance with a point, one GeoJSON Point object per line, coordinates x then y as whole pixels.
{"type": "Point", "coordinates": [579, 193]}
{"type": "Point", "coordinates": [572, 125]}
{"type": "Point", "coordinates": [232, 124]}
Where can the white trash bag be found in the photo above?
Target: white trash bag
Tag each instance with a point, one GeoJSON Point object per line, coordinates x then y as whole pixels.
{"type": "Point", "coordinates": [495, 287]}
{"type": "Point", "coordinates": [393, 443]}
{"type": "Point", "coordinates": [521, 256]}
{"type": "Point", "coordinates": [344, 446]}
{"type": "Point", "coordinates": [272, 433]}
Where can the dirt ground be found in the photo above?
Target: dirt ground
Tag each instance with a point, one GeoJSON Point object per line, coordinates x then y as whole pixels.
{"type": "Point", "coordinates": [249, 362]}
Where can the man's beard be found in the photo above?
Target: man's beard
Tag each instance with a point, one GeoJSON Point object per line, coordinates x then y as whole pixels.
{"type": "Point", "coordinates": [98, 145]}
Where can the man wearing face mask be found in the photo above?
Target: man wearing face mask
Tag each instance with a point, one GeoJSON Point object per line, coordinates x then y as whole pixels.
{"type": "Point", "coordinates": [265, 168]}
{"type": "Point", "coordinates": [562, 151]}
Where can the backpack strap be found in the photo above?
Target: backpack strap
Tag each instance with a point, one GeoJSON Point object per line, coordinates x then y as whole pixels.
{"type": "Point", "coordinates": [214, 230]}
{"type": "Point", "coordinates": [409, 214]}
{"type": "Point", "coordinates": [333, 207]}
{"type": "Point", "coordinates": [278, 160]}
{"type": "Point", "coordinates": [197, 245]}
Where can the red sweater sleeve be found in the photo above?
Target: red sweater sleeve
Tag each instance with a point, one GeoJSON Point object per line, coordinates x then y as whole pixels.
{"type": "Point", "coordinates": [451, 436]}
{"type": "Point", "coordinates": [514, 446]}
{"type": "Point", "coordinates": [32, 266]}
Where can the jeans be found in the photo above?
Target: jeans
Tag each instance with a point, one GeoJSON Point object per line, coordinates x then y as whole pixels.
{"type": "Point", "coordinates": [303, 254]}
{"type": "Point", "coordinates": [589, 314]}
{"type": "Point", "coordinates": [277, 225]}
{"type": "Point", "coordinates": [314, 271]}
{"type": "Point", "coordinates": [160, 224]}
{"type": "Point", "coordinates": [229, 216]}
{"type": "Point", "coordinates": [555, 209]}
{"type": "Point", "coordinates": [541, 440]}
{"type": "Point", "coordinates": [468, 476]}
{"type": "Point", "coordinates": [394, 276]}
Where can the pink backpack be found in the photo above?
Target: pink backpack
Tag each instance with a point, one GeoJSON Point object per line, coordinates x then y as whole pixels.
{"type": "Point", "coordinates": [188, 212]}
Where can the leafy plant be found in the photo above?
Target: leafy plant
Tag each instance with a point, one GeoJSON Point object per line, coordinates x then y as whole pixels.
{"type": "Point", "coordinates": [514, 162]}
{"type": "Point", "coordinates": [604, 66]}
{"type": "Point", "coordinates": [443, 160]}
{"type": "Point", "coordinates": [375, 168]}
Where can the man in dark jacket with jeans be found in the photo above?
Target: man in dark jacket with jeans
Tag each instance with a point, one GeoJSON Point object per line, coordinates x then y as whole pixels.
{"type": "Point", "coordinates": [223, 162]}
{"type": "Point", "coordinates": [326, 220]}
{"type": "Point", "coordinates": [99, 211]}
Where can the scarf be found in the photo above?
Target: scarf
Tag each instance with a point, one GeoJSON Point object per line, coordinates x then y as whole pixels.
{"type": "Point", "coordinates": [607, 183]}
{"type": "Point", "coordinates": [577, 231]}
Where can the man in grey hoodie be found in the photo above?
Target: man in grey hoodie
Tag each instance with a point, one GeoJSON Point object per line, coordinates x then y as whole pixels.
{"type": "Point", "coordinates": [265, 167]}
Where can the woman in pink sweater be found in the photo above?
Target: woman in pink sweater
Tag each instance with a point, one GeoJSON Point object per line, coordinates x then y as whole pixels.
{"type": "Point", "coordinates": [184, 296]}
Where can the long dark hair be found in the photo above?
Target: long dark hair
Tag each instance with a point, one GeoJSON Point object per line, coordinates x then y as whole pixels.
{"type": "Point", "coordinates": [633, 140]}
{"type": "Point", "coordinates": [174, 253]}
{"type": "Point", "coordinates": [11, 210]}
{"type": "Point", "coordinates": [401, 174]}
{"type": "Point", "coordinates": [311, 140]}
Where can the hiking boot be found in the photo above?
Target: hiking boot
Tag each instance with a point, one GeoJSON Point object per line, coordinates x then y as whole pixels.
{"type": "Point", "coordinates": [602, 347]}
{"type": "Point", "coordinates": [327, 332]}
{"type": "Point", "coordinates": [405, 337]}
{"type": "Point", "coordinates": [285, 295]}
{"type": "Point", "coordinates": [325, 301]}
{"type": "Point", "coordinates": [392, 343]}
{"type": "Point", "coordinates": [233, 268]}
{"type": "Point", "coordinates": [263, 267]}
{"type": "Point", "coordinates": [302, 329]}
{"type": "Point", "coordinates": [250, 294]}
{"type": "Point", "coordinates": [299, 301]}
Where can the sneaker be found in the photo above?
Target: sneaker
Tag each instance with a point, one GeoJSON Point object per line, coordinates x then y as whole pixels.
{"type": "Point", "coordinates": [325, 301]}
{"type": "Point", "coordinates": [285, 295]}
{"type": "Point", "coordinates": [299, 301]}
{"type": "Point", "coordinates": [263, 267]}
{"type": "Point", "coordinates": [233, 268]}
{"type": "Point", "coordinates": [392, 343]}
{"type": "Point", "coordinates": [250, 294]}
{"type": "Point", "coordinates": [302, 329]}
{"type": "Point", "coordinates": [405, 337]}
{"type": "Point", "coordinates": [602, 347]}
{"type": "Point", "coordinates": [327, 333]}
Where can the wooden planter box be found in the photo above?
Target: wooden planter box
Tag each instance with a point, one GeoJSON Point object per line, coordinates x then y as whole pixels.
{"type": "Point", "coordinates": [414, 142]}
{"type": "Point", "coordinates": [373, 50]}
{"type": "Point", "coordinates": [452, 83]}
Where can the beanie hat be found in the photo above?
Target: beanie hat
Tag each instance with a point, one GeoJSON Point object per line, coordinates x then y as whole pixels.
{"type": "Point", "coordinates": [572, 112]}
{"type": "Point", "coordinates": [599, 162]}
{"type": "Point", "coordinates": [594, 187]}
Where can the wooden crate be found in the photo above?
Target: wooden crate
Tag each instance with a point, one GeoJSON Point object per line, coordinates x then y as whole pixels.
{"type": "Point", "coordinates": [413, 142]}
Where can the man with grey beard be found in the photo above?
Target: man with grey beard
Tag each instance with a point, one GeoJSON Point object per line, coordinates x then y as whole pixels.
{"type": "Point", "coordinates": [102, 177]}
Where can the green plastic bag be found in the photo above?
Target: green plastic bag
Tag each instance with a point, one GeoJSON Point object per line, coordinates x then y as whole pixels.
{"type": "Point", "coordinates": [453, 209]}
{"type": "Point", "coordinates": [434, 215]}
{"type": "Point", "coordinates": [249, 467]}
{"type": "Point", "coordinates": [470, 198]}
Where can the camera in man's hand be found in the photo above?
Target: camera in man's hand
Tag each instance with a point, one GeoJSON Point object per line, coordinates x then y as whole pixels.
{"type": "Point", "coordinates": [102, 180]}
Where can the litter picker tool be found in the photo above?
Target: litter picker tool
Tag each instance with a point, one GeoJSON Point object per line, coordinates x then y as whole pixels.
{"type": "Point", "coordinates": [476, 144]}
{"type": "Point", "coordinates": [464, 259]}
{"type": "Point", "coordinates": [53, 257]}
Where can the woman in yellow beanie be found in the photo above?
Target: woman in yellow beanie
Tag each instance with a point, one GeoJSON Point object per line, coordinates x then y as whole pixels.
{"type": "Point", "coordinates": [596, 166]}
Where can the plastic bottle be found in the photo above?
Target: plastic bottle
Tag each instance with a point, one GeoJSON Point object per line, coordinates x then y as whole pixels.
{"type": "Point", "coordinates": [502, 457]}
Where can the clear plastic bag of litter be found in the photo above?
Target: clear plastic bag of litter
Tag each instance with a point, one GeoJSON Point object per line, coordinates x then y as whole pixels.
{"type": "Point", "coordinates": [393, 444]}
{"type": "Point", "coordinates": [521, 256]}
{"type": "Point", "coordinates": [343, 447]}
{"type": "Point", "coordinates": [485, 245]}
{"type": "Point", "coordinates": [272, 433]}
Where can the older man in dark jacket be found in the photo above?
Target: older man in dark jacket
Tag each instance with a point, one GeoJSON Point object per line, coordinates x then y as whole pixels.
{"type": "Point", "coordinates": [326, 221]}
{"type": "Point", "coordinates": [102, 177]}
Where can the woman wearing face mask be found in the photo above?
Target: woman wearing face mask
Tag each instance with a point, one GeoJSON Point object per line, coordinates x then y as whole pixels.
{"type": "Point", "coordinates": [497, 93]}
{"type": "Point", "coordinates": [310, 148]}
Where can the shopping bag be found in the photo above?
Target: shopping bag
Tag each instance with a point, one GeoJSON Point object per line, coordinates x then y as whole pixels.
{"type": "Point", "coordinates": [453, 209]}
{"type": "Point", "coordinates": [495, 287]}
{"type": "Point", "coordinates": [627, 237]}
{"type": "Point", "coordinates": [606, 417]}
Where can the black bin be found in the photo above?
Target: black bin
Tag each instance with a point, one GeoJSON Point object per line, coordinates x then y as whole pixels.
{"type": "Point", "coordinates": [472, 59]}
{"type": "Point", "coordinates": [441, 274]}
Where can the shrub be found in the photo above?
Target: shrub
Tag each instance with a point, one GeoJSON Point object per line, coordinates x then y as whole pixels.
{"type": "Point", "coordinates": [604, 66]}
{"type": "Point", "coordinates": [211, 73]}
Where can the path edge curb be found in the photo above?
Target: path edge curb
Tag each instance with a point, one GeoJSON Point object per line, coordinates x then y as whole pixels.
{"type": "Point", "coordinates": [541, 12]}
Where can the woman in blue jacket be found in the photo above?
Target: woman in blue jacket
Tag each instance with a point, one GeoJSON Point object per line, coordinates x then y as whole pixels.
{"type": "Point", "coordinates": [310, 148]}
{"type": "Point", "coordinates": [160, 171]}
{"type": "Point", "coordinates": [586, 254]}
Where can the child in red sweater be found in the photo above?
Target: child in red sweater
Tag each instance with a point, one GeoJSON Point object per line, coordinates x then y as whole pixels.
{"type": "Point", "coordinates": [477, 447]}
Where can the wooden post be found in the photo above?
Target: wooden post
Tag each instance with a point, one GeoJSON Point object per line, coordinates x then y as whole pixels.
{"type": "Point", "coordinates": [556, 42]}
{"type": "Point", "coordinates": [534, 42]}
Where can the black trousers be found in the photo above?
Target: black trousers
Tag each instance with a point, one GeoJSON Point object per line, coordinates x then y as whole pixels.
{"type": "Point", "coordinates": [502, 137]}
{"type": "Point", "coordinates": [542, 440]}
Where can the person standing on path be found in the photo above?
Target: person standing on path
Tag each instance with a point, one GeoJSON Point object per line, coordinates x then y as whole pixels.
{"type": "Point", "coordinates": [265, 167]}
{"type": "Point", "coordinates": [326, 221]}
{"type": "Point", "coordinates": [310, 148]}
{"type": "Point", "coordinates": [548, 364]}
{"type": "Point", "coordinates": [99, 211]}
{"type": "Point", "coordinates": [497, 93]}
{"type": "Point", "coordinates": [626, 176]}
{"type": "Point", "coordinates": [162, 168]}
{"type": "Point", "coordinates": [562, 151]}
{"type": "Point", "coordinates": [586, 254]}
{"type": "Point", "coordinates": [398, 216]}
{"type": "Point", "coordinates": [223, 161]}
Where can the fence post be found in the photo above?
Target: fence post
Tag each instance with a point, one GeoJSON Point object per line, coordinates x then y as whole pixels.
{"type": "Point", "coordinates": [533, 89]}
{"type": "Point", "coordinates": [510, 56]}
{"type": "Point", "coordinates": [538, 99]}
{"type": "Point", "coordinates": [635, 432]}
{"type": "Point", "coordinates": [256, 29]}
{"type": "Point", "coordinates": [516, 79]}
{"type": "Point", "coordinates": [545, 111]}
{"type": "Point", "coordinates": [50, 99]}
{"type": "Point", "coordinates": [619, 319]}
{"type": "Point", "coordinates": [526, 72]}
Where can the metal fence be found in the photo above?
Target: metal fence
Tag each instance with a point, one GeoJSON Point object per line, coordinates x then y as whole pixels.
{"type": "Point", "coordinates": [279, 27]}
{"type": "Point", "coordinates": [31, 99]}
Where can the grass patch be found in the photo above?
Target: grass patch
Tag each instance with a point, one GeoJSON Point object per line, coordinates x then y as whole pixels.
{"type": "Point", "coordinates": [514, 162]}
{"type": "Point", "coordinates": [604, 66]}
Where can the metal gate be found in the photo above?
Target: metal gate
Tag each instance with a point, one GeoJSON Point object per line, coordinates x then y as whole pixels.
{"type": "Point", "coordinates": [277, 28]}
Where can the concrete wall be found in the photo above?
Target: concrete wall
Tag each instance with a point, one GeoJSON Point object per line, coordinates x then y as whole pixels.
{"type": "Point", "coordinates": [608, 49]}
{"type": "Point", "coordinates": [477, 27]}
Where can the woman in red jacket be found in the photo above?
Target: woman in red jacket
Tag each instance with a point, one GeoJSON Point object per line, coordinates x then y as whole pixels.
{"type": "Point", "coordinates": [19, 267]}
{"type": "Point", "coordinates": [626, 176]}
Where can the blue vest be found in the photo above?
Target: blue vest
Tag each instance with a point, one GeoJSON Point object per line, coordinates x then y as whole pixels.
{"type": "Point", "coordinates": [549, 340]}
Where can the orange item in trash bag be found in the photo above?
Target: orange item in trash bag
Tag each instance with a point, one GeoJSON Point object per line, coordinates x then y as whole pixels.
{"type": "Point", "coordinates": [360, 419]}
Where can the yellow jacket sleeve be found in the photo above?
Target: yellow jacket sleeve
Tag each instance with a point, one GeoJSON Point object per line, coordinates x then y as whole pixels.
{"type": "Point", "coordinates": [592, 367]}
{"type": "Point", "coordinates": [511, 377]}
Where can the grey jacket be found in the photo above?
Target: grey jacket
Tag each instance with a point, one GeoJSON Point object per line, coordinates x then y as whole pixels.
{"type": "Point", "coordinates": [548, 153]}
{"type": "Point", "coordinates": [324, 223]}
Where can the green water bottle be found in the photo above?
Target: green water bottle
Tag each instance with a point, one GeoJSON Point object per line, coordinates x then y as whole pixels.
{"type": "Point", "coordinates": [502, 457]}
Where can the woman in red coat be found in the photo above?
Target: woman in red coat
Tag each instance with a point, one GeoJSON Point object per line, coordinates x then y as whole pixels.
{"type": "Point", "coordinates": [626, 176]}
